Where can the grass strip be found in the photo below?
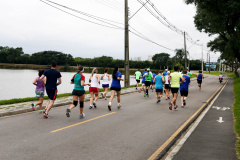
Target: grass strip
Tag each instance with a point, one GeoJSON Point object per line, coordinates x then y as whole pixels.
{"type": "Point", "coordinates": [216, 73]}
{"type": "Point", "coordinates": [236, 109]}
{"type": "Point", "coordinates": [28, 99]}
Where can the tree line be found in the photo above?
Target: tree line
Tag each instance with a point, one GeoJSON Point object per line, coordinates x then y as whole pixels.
{"type": "Point", "coordinates": [159, 60]}
{"type": "Point", "coordinates": [221, 18]}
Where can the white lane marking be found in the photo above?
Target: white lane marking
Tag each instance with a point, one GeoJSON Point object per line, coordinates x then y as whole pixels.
{"type": "Point", "coordinates": [194, 125]}
{"type": "Point", "coordinates": [221, 108]}
{"type": "Point", "coordinates": [220, 120]}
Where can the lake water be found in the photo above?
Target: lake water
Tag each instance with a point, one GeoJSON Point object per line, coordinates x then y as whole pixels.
{"type": "Point", "coordinates": [18, 83]}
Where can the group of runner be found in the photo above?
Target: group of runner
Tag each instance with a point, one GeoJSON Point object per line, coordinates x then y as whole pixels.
{"type": "Point", "coordinates": [162, 82]}
{"type": "Point", "coordinates": [51, 78]}
{"type": "Point", "coordinates": [167, 83]}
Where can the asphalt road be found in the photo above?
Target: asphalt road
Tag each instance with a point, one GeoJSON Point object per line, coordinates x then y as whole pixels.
{"type": "Point", "coordinates": [134, 132]}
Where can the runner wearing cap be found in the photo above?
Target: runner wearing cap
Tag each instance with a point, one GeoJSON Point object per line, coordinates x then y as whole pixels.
{"type": "Point", "coordinates": [175, 85]}
{"type": "Point", "coordinates": [148, 76]}
{"type": "Point", "coordinates": [143, 82]}
{"type": "Point", "coordinates": [159, 80]}
{"type": "Point", "coordinates": [167, 85]}
{"type": "Point", "coordinates": [138, 75]}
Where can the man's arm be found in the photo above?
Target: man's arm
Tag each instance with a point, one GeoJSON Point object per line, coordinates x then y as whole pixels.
{"type": "Point", "coordinates": [59, 81]}
{"type": "Point", "coordinates": [42, 79]}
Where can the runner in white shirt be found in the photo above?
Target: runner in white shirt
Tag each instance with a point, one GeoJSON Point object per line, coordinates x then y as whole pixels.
{"type": "Point", "coordinates": [105, 83]}
{"type": "Point", "coordinates": [93, 90]}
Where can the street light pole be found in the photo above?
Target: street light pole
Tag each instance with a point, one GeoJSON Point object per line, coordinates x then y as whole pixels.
{"type": "Point", "coordinates": [185, 50]}
{"type": "Point", "coordinates": [126, 48]}
{"type": "Point", "coordinates": [202, 58]}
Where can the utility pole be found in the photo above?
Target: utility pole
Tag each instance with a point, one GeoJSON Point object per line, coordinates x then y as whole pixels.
{"type": "Point", "coordinates": [209, 62]}
{"type": "Point", "coordinates": [126, 48]}
{"type": "Point", "coordinates": [185, 50]}
{"type": "Point", "coordinates": [202, 58]}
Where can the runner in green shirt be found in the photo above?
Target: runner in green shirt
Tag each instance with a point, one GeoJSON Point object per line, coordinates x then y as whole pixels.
{"type": "Point", "coordinates": [175, 85]}
{"type": "Point", "coordinates": [137, 74]}
{"type": "Point", "coordinates": [189, 74]}
{"type": "Point", "coordinates": [148, 76]}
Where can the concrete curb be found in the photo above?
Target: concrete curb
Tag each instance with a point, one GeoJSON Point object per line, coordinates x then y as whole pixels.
{"type": "Point", "coordinates": [10, 113]}
{"type": "Point", "coordinates": [172, 142]}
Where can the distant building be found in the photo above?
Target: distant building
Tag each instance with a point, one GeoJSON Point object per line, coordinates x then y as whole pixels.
{"type": "Point", "coordinates": [137, 59]}
{"type": "Point", "coordinates": [150, 58]}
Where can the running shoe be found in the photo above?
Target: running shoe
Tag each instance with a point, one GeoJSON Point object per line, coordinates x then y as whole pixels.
{"type": "Point", "coordinates": [119, 106]}
{"type": "Point", "coordinates": [41, 111]}
{"type": "Point", "coordinates": [44, 111]}
{"type": "Point", "coordinates": [170, 105]}
{"type": "Point", "coordinates": [82, 116]}
{"type": "Point", "coordinates": [147, 95]}
{"type": "Point", "coordinates": [102, 95]}
{"type": "Point", "coordinates": [157, 102]}
{"type": "Point", "coordinates": [105, 98]}
{"type": "Point", "coordinates": [109, 108]}
{"type": "Point", "coordinates": [45, 115]}
{"type": "Point", "coordinates": [140, 90]}
{"type": "Point", "coordinates": [144, 95]}
{"type": "Point", "coordinates": [175, 107]}
{"type": "Point", "coordinates": [90, 107]}
{"type": "Point", "coordinates": [136, 88]}
{"type": "Point", "coordinates": [182, 106]}
{"type": "Point", "coordinates": [33, 107]}
{"type": "Point", "coordinates": [159, 99]}
{"type": "Point", "coordinates": [169, 97]}
{"type": "Point", "coordinates": [184, 102]}
{"type": "Point", "coordinates": [68, 112]}
{"type": "Point", "coordinates": [94, 104]}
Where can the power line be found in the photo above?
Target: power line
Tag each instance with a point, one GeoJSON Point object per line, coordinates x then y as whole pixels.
{"type": "Point", "coordinates": [109, 5]}
{"type": "Point", "coordinates": [86, 14]}
{"type": "Point", "coordinates": [94, 17]}
{"type": "Point", "coordinates": [147, 39]}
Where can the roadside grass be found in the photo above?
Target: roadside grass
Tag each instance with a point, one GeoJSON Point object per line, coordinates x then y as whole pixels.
{"type": "Point", "coordinates": [236, 109]}
{"type": "Point", "coordinates": [217, 73]}
{"type": "Point", "coordinates": [28, 99]}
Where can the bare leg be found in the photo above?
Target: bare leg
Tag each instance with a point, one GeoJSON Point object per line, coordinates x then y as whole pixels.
{"type": "Point", "coordinates": [156, 96]}
{"type": "Point", "coordinates": [91, 99]}
{"type": "Point", "coordinates": [81, 100]}
{"type": "Point", "coordinates": [118, 96]}
{"type": "Point", "coordinates": [96, 97]}
{"type": "Point", "coordinates": [75, 98]}
{"type": "Point", "coordinates": [112, 95]}
{"type": "Point", "coordinates": [50, 104]}
{"type": "Point", "coordinates": [40, 102]}
{"type": "Point", "coordinates": [105, 91]}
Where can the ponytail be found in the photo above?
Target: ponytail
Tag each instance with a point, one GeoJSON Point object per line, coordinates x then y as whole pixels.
{"type": "Point", "coordinates": [114, 74]}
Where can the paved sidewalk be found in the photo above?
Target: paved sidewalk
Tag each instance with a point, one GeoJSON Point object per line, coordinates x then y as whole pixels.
{"type": "Point", "coordinates": [214, 138]}
{"type": "Point", "coordinates": [12, 109]}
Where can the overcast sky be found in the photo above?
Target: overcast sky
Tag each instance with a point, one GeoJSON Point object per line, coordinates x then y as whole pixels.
{"type": "Point", "coordinates": [36, 26]}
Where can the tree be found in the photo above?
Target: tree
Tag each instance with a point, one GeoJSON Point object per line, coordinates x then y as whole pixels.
{"type": "Point", "coordinates": [161, 59]}
{"type": "Point", "coordinates": [221, 17]}
{"type": "Point", "coordinates": [180, 54]}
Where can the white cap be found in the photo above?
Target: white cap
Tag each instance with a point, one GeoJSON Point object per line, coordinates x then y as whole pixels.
{"type": "Point", "coordinates": [166, 69]}
{"type": "Point", "coordinates": [168, 72]}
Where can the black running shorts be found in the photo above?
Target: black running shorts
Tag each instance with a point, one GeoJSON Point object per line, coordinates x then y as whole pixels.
{"type": "Point", "coordinates": [184, 93]}
{"type": "Point", "coordinates": [138, 80]}
{"type": "Point", "coordinates": [174, 90]}
{"type": "Point", "coordinates": [199, 81]}
{"type": "Point", "coordinates": [147, 83]}
{"type": "Point", "coordinates": [167, 86]}
{"type": "Point", "coordinates": [159, 90]}
{"type": "Point", "coordinates": [52, 93]}
{"type": "Point", "coordinates": [115, 89]}
{"type": "Point", "coordinates": [78, 93]}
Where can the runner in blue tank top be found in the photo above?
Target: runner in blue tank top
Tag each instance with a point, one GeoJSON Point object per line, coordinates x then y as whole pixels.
{"type": "Point", "coordinates": [152, 83]}
{"type": "Point", "coordinates": [200, 77]}
{"type": "Point", "coordinates": [159, 80]}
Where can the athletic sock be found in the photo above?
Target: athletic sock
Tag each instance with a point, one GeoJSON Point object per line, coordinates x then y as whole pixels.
{"type": "Point", "coordinates": [110, 103]}
{"type": "Point", "coordinates": [118, 104]}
